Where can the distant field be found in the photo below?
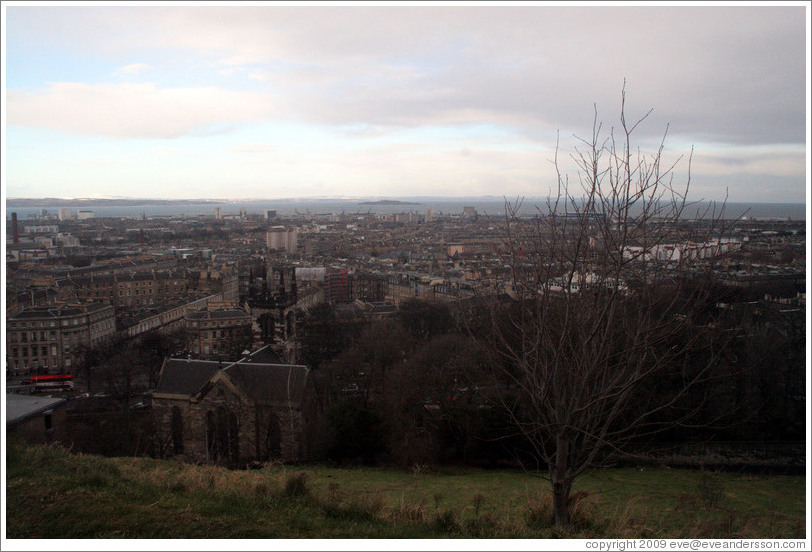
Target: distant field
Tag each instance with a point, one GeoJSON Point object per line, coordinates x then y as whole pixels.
{"type": "Point", "coordinates": [54, 494]}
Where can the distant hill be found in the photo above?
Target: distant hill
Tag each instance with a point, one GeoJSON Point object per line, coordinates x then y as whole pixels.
{"type": "Point", "coordinates": [100, 202]}
{"type": "Point", "coordinates": [388, 202]}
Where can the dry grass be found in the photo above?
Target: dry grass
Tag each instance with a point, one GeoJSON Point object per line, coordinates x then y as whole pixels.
{"type": "Point", "coordinates": [167, 499]}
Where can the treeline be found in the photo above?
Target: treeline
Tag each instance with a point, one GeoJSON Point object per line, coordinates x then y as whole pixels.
{"type": "Point", "coordinates": [420, 387]}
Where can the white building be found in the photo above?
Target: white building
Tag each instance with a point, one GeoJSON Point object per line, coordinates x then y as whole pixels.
{"type": "Point", "coordinates": [279, 237]}
{"type": "Point", "coordinates": [66, 213]}
{"type": "Point", "coordinates": [682, 251]}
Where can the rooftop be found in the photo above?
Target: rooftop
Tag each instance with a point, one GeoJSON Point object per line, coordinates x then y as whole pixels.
{"type": "Point", "coordinates": [20, 408]}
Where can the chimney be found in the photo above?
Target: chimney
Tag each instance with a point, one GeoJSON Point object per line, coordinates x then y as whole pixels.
{"type": "Point", "coordinates": [15, 230]}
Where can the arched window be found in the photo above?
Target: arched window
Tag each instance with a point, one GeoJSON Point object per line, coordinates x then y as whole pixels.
{"type": "Point", "coordinates": [272, 445]}
{"type": "Point", "coordinates": [211, 436]}
{"type": "Point", "coordinates": [222, 435]}
{"type": "Point", "coordinates": [177, 430]}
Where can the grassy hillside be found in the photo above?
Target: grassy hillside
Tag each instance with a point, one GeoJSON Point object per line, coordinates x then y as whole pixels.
{"type": "Point", "coordinates": [52, 493]}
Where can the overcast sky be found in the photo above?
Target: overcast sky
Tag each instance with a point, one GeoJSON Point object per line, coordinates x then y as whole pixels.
{"type": "Point", "coordinates": [273, 101]}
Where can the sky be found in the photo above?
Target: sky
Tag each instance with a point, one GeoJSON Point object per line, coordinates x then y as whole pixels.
{"type": "Point", "coordinates": [273, 100]}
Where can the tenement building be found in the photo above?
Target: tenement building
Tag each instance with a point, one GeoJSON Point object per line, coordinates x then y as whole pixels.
{"type": "Point", "coordinates": [218, 332]}
{"type": "Point", "coordinates": [51, 339]}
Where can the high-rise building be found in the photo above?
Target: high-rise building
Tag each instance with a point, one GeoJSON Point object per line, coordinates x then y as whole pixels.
{"type": "Point", "coordinates": [338, 285]}
{"type": "Point", "coordinates": [279, 237]}
{"type": "Point", "coordinates": [66, 213]}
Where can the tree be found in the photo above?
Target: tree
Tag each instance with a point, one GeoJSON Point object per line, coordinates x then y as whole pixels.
{"type": "Point", "coordinates": [601, 309]}
{"type": "Point", "coordinates": [419, 397]}
{"type": "Point", "coordinates": [425, 319]}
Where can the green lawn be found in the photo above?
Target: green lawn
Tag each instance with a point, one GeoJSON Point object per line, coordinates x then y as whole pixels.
{"type": "Point", "coordinates": [54, 494]}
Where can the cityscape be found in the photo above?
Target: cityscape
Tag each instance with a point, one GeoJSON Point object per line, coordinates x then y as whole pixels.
{"type": "Point", "coordinates": [403, 275]}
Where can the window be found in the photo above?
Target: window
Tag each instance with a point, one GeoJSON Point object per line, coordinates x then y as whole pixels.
{"type": "Point", "coordinates": [177, 430]}
{"type": "Point", "coordinates": [44, 350]}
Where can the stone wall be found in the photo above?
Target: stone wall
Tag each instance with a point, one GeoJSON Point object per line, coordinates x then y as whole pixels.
{"type": "Point", "coordinates": [265, 432]}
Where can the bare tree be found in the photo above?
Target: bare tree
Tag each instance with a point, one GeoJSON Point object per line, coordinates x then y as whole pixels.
{"type": "Point", "coordinates": [605, 281]}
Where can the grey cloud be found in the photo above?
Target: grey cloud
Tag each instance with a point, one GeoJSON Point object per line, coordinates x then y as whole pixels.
{"type": "Point", "coordinates": [729, 74]}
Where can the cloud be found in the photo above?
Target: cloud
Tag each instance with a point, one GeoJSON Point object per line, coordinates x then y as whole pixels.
{"type": "Point", "coordinates": [704, 69]}
{"type": "Point", "coordinates": [765, 161]}
{"type": "Point", "coordinates": [134, 110]}
{"type": "Point", "coordinates": [727, 77]}
{"type": "Point", "coordinates": [259, 75]}
{"type": "Point", "coordinates": [132, 69]}
{"type": "Point", "coordinates": [253, 148]}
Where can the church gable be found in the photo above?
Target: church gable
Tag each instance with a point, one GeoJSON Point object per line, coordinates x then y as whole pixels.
{"type": "Point", "coordinates": [238, 415]}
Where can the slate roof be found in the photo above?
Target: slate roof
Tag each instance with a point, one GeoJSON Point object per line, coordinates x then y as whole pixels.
{"type": "Point", "coordinates": [265, 383]}
{"type": "Point", "coordinates": [265, 355]}
{"type": "Point", "coordinates": [261, 382]}
{"type": "Point", "coordinates": [185, 377]}
{"type": "Point", "coordinates": [57, 311]}
{"type": "Point", "coordinates": [203, 314]}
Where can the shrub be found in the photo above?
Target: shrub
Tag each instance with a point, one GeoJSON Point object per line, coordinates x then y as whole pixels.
{"type": "Point", "coordinates": [410, 513]}
{"type": "Point", "coordinates": [477, 502]}
{"type": "Point", "coordinates": [353, 432]}
{"type": "Point", "coordinates": [334, 492]}
{"type": "Point", "coordinates": [539, 514]}
{"type": "Point", "coordinates": [296, 486]}
{"type": "Point", "coordinates": [447, 522]}
{"type": "Point", "coordinates": [484, 526]}
{"type": "Point", "coordinates": [710, 489]}
{"type": "Point", "coordinates": [364, 509]}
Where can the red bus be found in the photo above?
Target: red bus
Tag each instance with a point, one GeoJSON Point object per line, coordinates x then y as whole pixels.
{"type": "Point", "coordinates": [56, 382]}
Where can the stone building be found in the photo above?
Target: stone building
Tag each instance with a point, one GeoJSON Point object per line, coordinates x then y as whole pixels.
{"type": "Point", "coordinates": [132, 289]}
{"type": "Point", "coordinates": [36, 419]}
{"type": "Point", "coordinates": [52, 339]}
{"type": "Point", "coordinates": [218, 332]}
{"type": "Point", "coordinates": [231, 414]}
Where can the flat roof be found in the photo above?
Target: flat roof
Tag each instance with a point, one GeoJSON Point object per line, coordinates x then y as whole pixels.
{"type": "Point", "coordinates": [20, 408]}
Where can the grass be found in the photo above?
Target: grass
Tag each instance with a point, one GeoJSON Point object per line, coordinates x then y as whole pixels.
{"type": "Point", "coordinates": [52, 493]}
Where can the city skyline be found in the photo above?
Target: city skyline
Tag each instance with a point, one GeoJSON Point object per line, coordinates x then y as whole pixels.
{"type": "Point", "coordinates": [273, 101]}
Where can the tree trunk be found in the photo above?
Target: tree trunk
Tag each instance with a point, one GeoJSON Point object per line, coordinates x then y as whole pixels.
{"type": "Point", "coordinates": [562, 484]}
{"type": "Point", "coordinates": [561, 506]}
